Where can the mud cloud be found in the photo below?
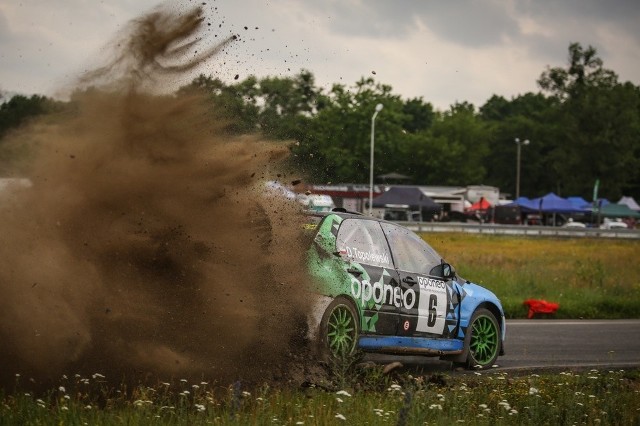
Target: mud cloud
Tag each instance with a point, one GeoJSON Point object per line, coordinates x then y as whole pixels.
{"type": "Point", "coordinates": [146, 242]}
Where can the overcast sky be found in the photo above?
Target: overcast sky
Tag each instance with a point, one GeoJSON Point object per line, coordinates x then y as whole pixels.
{"type": "Point", "coordinates": [443, 51]}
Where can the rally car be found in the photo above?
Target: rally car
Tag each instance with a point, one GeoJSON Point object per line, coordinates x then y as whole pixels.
{"type": "Point", "coordinates": [381, 288]}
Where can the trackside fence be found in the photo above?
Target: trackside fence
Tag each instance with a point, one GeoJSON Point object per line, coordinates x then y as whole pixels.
{"type": "Point", "coordinates": [525, 230]}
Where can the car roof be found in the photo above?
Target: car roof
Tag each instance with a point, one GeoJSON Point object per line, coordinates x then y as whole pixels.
{"type": "Point", "coordinates": [345, 214]}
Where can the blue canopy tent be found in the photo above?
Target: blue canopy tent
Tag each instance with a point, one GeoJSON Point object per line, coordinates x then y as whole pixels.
{"type": "Point", "coordinates": [579, 202]}
{"type": "Point", "coordinates": [551, 203]}
{"type": "Point", "coordinates": [526, 205]}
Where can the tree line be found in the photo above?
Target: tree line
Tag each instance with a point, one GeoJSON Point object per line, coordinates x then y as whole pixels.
{"type": "Point", "coordinates": [583, 125]}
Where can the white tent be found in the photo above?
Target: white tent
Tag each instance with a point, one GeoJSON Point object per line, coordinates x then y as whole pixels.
{"type": "Point", "coordinates": [629, 202]}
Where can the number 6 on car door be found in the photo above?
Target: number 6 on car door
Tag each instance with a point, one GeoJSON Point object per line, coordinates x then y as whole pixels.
{"type": "Point", "coordinates": [432, 305]}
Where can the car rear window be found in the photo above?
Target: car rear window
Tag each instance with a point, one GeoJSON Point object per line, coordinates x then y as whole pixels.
{"type": "Point", "coordinates": [362, 241]}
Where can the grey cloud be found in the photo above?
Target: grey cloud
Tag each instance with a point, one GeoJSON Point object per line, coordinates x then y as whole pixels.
{"type": "Point", "coordinates": [469, 23]}
{"type": "Point", "coordinates": [580, 21]}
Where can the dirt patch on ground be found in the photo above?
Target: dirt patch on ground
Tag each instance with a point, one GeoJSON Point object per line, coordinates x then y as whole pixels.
{"type": "Point", "coordinates": [146, 244]}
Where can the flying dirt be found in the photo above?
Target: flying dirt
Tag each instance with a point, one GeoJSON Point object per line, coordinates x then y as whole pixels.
{"type": "Point", "coordinates": [145, 244]}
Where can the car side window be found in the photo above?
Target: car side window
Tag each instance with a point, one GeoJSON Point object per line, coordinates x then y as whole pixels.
{"type": "Point", "coordinates": [411, 253]}
{"type": "Point", "coordinates": [363, 241]}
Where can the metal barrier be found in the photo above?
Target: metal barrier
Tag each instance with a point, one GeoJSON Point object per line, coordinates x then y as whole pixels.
{"type": "Point", "coordinates": [526, 230]}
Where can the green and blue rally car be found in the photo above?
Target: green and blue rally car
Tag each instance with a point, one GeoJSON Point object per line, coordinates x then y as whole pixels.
{"type": "Point", "coordinates": [381, 288]}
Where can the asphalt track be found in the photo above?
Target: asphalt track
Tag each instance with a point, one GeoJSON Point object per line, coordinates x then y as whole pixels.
{"type": "Point", "coordinates": [556, 345]}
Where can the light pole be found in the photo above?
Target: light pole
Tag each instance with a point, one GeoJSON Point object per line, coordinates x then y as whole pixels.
{"type": "Point", "coordinates": [373, 128]}
{"type": "Point", "coordinates": [524, 142]}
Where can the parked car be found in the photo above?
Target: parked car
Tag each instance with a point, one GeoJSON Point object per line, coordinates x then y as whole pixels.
{"type": "Point", "coordinates": [381, 288]}
{"type": "Point", "coordinates": [613, 224]}
{"type": "Point", "coordinates": [570, 223]}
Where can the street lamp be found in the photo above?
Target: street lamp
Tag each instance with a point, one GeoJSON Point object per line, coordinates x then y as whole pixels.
{"type": "Point", "coordinates": [524, 142]}
{"type": "Point", "coordinates": [373, 124]}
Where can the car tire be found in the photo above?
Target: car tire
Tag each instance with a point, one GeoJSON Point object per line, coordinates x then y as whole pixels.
{"type": "Point", "coordinates": [482, 340]}
{"type": "Point", "coordinates": [339, 330]}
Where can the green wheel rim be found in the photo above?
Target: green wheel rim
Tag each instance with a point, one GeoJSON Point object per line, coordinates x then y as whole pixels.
{"type": "Point", "coordinates": [341, 331]}
{"type": "Point", "coordinates": [484, 340]}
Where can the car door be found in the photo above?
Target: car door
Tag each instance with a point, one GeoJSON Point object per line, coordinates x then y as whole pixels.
{"type": "Point", "coordinates": [429, 301]}
{"type": "Point", "coordinates": [367, 260]}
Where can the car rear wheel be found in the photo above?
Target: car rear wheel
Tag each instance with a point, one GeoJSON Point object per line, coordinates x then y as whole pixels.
{"type": "Point", "coordinates": [483, 339]}
{"type": "Point", "coordinates": [339, 329]}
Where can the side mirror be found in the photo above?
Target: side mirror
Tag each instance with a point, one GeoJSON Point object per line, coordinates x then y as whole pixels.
{"type": "Point", "coordinates": [443, 270]}
{"type": "Point", "coordinates": [448, 271]}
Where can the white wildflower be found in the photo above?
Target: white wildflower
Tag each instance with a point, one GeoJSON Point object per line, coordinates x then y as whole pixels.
{"type": "Point", "coordinates": [504, 404]}
{"type": "Point", "coordinates": [340, 416]}
{"type": "Point", "coordinates": [343, 393]}
{"type": "Point", "coordinates": [62, 389]}
{"type": "Point", "coordinates": [339, 400]}
{"type": "Point", "coordinates": [533, 391]}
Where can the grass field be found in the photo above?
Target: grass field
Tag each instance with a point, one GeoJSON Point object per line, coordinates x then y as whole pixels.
{"type": "Point", "coordinates": [590, 398]}
{"type": "Point", "coordinates": [590, 278]}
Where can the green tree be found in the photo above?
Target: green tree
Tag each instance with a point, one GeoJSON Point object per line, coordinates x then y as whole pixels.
{"type": "Point", "coordinates": [597, 127]}
{"type": "Point", "coordinates": [236, 104]}
{"type": "Point", "coordinates": [336, 146]}
{"type": "Point", "coordinates": [19, 109]}
{"type": "Point", "coordinates": [461, 140]}
{"type": "Point", "coordinates": [527, 117]}
{"type": "Point", "coordinates": [288, 105]}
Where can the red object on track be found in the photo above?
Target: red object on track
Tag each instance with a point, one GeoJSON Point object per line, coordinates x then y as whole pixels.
{"type": "Point", "coordinates": [540, 307]}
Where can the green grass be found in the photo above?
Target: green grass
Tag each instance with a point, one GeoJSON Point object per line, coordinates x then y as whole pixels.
{"type": "Point", "coordinates": [593, 398]}
{"type": "Point", "coordinates": [590, 278]}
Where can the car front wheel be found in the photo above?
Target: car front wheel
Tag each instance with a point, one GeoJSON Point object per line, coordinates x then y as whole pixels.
{"type": "Point", "coordinates": [483, 339]}
{"type": "Point", "coordinates": [339, 329]}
